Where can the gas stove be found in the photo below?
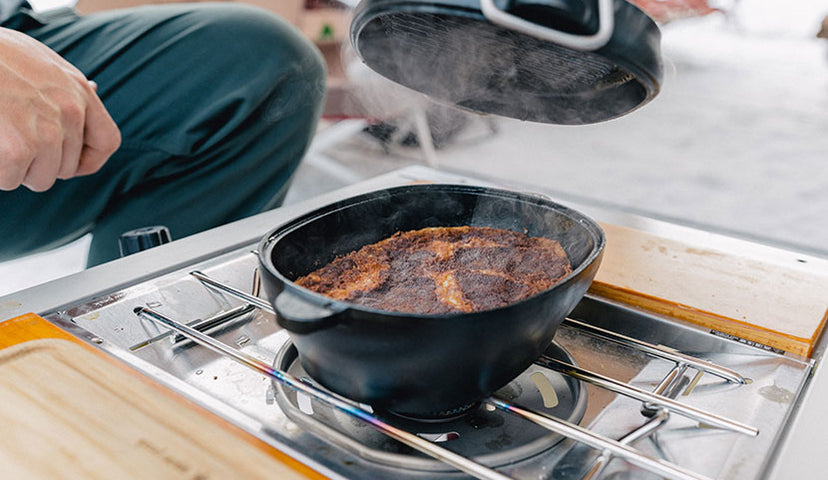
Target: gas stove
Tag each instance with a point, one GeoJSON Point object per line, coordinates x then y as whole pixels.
{"type": "Point", "coordinates": [621, 393]}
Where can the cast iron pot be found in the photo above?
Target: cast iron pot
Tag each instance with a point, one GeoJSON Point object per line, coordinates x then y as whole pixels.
{"type": "Point", "coordinates": [456, 53]}
{"type": "Point", "coordinates": [421, 365]}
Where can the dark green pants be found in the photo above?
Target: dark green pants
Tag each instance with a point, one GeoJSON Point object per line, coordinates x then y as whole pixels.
{"type": "Point", "coordinates": [216, 104]}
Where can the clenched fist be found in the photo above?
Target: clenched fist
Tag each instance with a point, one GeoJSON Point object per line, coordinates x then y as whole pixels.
{"type": "Point", "coordinates": [52, 123]}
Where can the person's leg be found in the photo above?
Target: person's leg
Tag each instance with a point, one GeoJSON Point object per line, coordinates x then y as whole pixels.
{"type": "Point", "coordinates": [216, 104]}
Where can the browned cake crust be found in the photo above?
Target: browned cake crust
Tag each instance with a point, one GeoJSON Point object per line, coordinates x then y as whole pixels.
{"type": "Point", "coordinates": [443, 270]}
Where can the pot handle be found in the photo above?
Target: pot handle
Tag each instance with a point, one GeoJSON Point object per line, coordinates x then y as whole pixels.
{"type": "Point", "coordinates": [298, 315]}
{"type": "Point", "coordinates": [606, 24]}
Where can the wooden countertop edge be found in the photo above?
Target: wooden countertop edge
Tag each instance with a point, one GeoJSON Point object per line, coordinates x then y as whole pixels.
{"type": "Point", "coordinates": [30, 327]}
{"type": "Point", "coordinates": [772, 338]}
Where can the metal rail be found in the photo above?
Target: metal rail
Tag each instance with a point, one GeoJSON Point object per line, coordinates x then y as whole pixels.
{"type": "Point", "coordinates": [659, 351]}
{"type": "Point", "coordinates": [645, 430]}
{"type": "Point", "coordinates": [669, 386]}
{"type": "Point", "coordinates": [200, 325]}
{"type": "Point", "coordinates": [217, 320]}
{"type": "Point", "coordinates": [656, 350]}
{"type": "Point", "coordinates": [339, 403]}
{"type": "Point", "coordinates": [645, 396]}
{"type": "Point", "coordinates": [251, 299]}
{"type": "Point", "coordinates": [600, 442]}
{"type": "Point", "coordinates": [658, 405]}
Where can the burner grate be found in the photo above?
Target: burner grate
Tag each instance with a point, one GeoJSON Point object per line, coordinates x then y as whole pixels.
{"type": "Point", "coordinates": [658, 404]}
{"type": "Point", "coordinates": [481, 433]}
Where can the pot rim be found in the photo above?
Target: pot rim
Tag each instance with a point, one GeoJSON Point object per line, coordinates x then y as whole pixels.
{"type": "Point", "coordinates": [269, 240]}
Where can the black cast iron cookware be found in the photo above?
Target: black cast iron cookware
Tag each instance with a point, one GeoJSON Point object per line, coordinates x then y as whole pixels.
{"type": "Point", "coordinates": [453, 52]}
{"type": "Point", "coordinates": [421, 365]}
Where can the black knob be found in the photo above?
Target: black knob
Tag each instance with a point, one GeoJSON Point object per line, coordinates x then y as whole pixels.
{"type": "Point", "coordinates": [141, 239]}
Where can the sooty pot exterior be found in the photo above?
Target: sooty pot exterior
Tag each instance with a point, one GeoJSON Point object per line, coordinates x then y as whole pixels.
{"type": "Point", "coordinates": [421, 365]}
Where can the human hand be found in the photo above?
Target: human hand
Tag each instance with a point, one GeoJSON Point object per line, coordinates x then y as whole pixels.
{"type": "Point", "coordinates": [52, 123]}
{"type": "Point", "coordinates": [665, 11]}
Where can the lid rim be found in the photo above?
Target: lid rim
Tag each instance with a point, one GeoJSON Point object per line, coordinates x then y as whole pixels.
{"type": "Point", "coordinates": [633, 47]}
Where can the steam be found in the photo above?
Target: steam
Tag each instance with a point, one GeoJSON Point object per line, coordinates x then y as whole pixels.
{"type": "Point", "coordinates": [410, 111]}
{"type": "Point", "coordinates": [486, 69]}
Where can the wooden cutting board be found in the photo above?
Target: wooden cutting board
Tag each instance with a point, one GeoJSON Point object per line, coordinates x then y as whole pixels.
{"type": "Point", "coordinates": [68, 411]}
{"type": "Point", "coordinates": [739, 289]}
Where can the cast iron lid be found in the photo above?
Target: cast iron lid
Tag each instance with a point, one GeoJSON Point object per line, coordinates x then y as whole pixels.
{"type": "Point", "coordinates": [581, 62]}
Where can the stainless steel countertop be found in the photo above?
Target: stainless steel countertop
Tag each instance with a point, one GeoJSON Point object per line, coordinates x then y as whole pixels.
{"type": "Point", "coordinates": [798, 456]}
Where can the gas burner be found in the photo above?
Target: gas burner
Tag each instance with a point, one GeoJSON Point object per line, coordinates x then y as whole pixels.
{"type": "Point", "coordinates": [480, 431]}
{"type": "Point", "coordinates": [437, 417]}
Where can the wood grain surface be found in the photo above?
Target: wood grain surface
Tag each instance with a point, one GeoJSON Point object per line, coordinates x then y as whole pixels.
{"type": "Point", "coordinates": [782, 304]}
{"type": "Point", "coordinates": [70, 412]}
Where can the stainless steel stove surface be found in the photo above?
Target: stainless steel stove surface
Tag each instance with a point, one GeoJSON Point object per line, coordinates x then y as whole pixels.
{"type": "Point", "coordinates": [514, 445]}
{"type": "Point", "coordinates": [720, 413]}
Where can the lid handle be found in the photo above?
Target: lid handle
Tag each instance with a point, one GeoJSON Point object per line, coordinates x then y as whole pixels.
{"type": "Point", "coordinates": [606, 20]}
